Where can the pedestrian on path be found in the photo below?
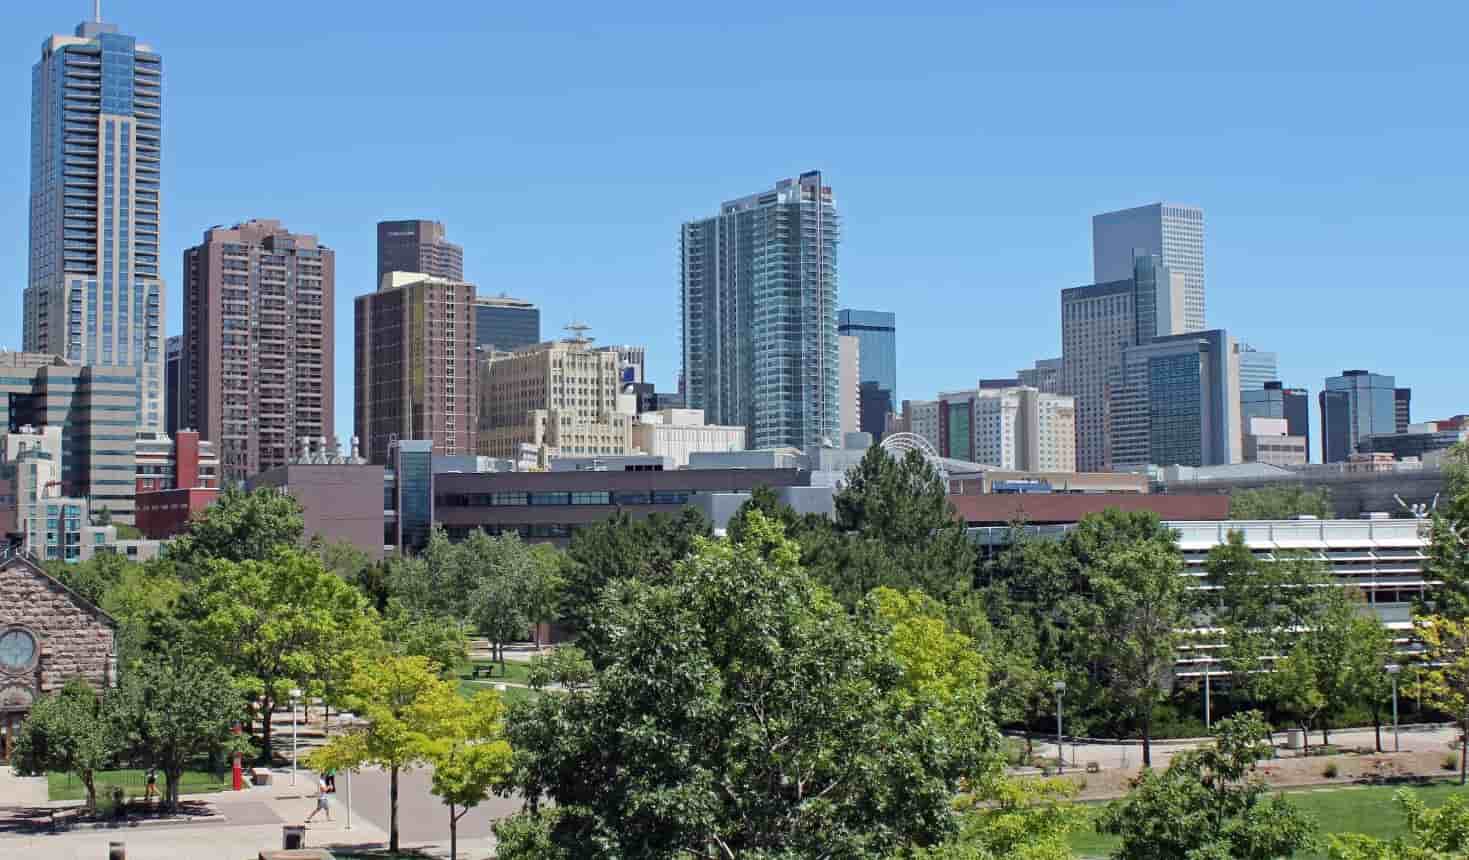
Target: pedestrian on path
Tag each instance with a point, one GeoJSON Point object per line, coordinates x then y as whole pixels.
{"type": "Point", "coordinates": [331, 779]}
{"type": "Point", "coordinates": [323, 801]}
{"type": "Point", "coordinates": [150, 790]}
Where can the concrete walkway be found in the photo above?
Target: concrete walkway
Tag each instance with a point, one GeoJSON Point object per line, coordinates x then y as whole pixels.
{"type": "Point", "coordinates": [21, 790]}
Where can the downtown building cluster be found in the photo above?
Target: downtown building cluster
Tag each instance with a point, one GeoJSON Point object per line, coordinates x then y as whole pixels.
{"type": "Point", "coordinates": [774, 374]}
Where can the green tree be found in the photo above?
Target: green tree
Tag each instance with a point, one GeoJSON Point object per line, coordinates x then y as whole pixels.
{"type": "Point", "coordinates": [468, 753]}
{"type": "Point", "coordinates": [1439, 833]}
{"type": "Point", "coordinates": [741, 712]}
{"type": "Point", "coordinates": [1279, 503]}
{"type": "Point", "coordinates": [173, 709]}
{"type": "Point", "coordinates": [440, 639]}
{"type": "Point", "coordinates": [501, 573]}
{"type": "Point", "coordinates": [898, 510]}
{"type": "Point", "coordinates": [276, 624]}
{"type": "Point", "coordinates": [1017, 819]}
{"type": "Point", "coordinates": [144, 603]}
{"type": "Point", "coordinates": [1207, 805]}
{"type": "Point", "coordinates": [544, 588]}
{"type": "Point", "coordinates": [240, 526]}
{"type": "Point", "coordinates": [1445, 677]}
{"type": "Point", "coordinates": [1448, 547]}
{"type": "Point", "coordinates": [342, 558]}
{"type": "Point", "coordinates": [71, 731]}
{"type": "Point", "coordinates": [94, 577]}
{"type": "Point", "coordinates": [621, 548]}
{"type": "Point", "coordinates": [1139, 605]}
{"type": "Point", "coordinates": [399, 702]}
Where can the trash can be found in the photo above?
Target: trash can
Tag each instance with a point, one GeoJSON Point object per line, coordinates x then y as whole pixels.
{"type": "Point", "coordinates": [117, 851]}
{"type": "Point", "coordinates": [293, 836]}
{"type": "Point", "coordinates": [1294, 739]}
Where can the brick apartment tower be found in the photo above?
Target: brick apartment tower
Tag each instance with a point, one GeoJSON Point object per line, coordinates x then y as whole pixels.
{"type": "Point", "coordinates": [414, 358]}
{"type": "Point", "coordinates": [256, 372]}
{"type": "Point", "coordinates": [417, 246]}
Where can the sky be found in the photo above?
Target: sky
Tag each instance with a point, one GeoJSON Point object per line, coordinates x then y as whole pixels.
{"type": "Point", "coordinates": [968, 146]}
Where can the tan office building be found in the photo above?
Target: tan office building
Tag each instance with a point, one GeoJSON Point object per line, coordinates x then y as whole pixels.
{"type": "Point", "coordinates": [561, 396]}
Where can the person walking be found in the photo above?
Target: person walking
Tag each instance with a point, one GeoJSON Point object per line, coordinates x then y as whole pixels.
{"type": "Point", "coordinates": [331, 780]}
{"type": "Point", "coordinates": [150, 790]}
{"type": "Point", "coordinates": [323, 800]}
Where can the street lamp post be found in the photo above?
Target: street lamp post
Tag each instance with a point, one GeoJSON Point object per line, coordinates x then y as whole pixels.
{"type": "Point", "coordinates": [1060, 688]}
{"type": "Point", "coordinates": [295, 696]}
{"type": "Point", "coordinates": [349, 799]}
{"type": "Point", "coordinates": [1392, 672]}
{"type": "Point", "coordinates": [1208, 716]}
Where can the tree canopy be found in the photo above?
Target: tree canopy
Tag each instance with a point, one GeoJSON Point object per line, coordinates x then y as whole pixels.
{"type": "Point", "coordinates": [743, 712]}
{"type": "Point", "coordinates": [240, 526]}
{"type": "Point", "coordinates": [1279, 503]}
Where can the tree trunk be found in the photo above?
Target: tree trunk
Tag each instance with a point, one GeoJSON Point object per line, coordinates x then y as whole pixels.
{"type": "Point", "coordinates": [89, 782]}
{"type": "Point", "coordinates": [170, 788]}
{"type": "Point", "coordinates": [1325, 732]}
{"type": "Point", "coordinates": [393, 810]}
{"type": "Point", "coordinates": [1305, 738]}
{"type": "Point", "coordinates": [265, 714]}
{"type": "Point", "coordinates": [1147, 736]}
{"type": "Point", "coordinates": [1377, 725]}
{"type": "Point", "coordinates": [1464, 751]}
{"type": "Point", "coordinates": [453, 834]}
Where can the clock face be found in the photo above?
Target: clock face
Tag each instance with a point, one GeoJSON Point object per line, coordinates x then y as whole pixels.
{"type": "Point", "coordinates": [17, 650]}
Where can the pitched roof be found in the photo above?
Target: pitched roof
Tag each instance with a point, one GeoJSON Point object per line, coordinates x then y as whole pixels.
{"type": "Point", "coordinates": [13, 557]}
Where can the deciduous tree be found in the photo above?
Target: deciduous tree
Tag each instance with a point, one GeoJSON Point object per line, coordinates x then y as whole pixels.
{"type": "Point", "coordinates": [1445, 678]}
{"type": "Point", "coordinates": [71, 731]}
{"type": "Point", "coordinates": [468, 752]}
{"type": "Point", "coordinates": [1279, 503]}
{"type": "Point", "coordinates": [239, 526]}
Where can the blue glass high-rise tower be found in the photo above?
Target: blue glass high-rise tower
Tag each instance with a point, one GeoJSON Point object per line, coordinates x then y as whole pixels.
{"type": "Point", "coordinates": [877, 362]}
{"type": "Point", "coordinates": [759, 294]}
{"type": "Point", "coordinates": [94, 293]}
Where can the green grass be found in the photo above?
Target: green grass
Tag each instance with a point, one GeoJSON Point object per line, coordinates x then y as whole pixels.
{"type": "Point", "coordinates": [515, 672]}
{"type": "Point", "coordinates": [508, 695]}
{"type": "Point", "coordinates": [1361, 810]}
{"type": "Point", "coordinates": [65, 786]}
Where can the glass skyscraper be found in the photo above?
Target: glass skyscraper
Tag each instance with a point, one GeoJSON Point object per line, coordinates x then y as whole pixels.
{"type": "Point", "coordinates": [1355, 404]}
{"type": "Point", "coordinates": [504, 324]}
{"type": "Point", "coordinates": [1172, 232]}
{"type": "Point", "coordinates": [1256, 368]}
{"type": "Point", "coordinates": [94, 293]}
{"type": "Point", "coordinates": [1178, 402]}
{"type": "Point", "coordinates": [877, 363]}
{"type": "Point", "coordinates": [758, 296]}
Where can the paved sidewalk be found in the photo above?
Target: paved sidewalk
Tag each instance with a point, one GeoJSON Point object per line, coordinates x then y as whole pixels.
{"type": "Point", "coordinates": [21, 790]}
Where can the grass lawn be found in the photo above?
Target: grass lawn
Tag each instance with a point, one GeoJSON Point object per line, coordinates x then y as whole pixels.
{"type": "Point", "coordinates": [1367, 810]}
{"type": "Point", "coordinates": [515, 672]}
{"type": "Point", "coordinates": [507, 695]}
{"type": "Point", "coordinates": [65, 786]}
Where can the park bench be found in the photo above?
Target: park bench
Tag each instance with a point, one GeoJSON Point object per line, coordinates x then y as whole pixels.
{"type": "Point", "coordinates": [64, 816]}
{"type": "Point", "coordinates": [484, 671]}
{"type": "Point", "coordinates": [1093, 767]}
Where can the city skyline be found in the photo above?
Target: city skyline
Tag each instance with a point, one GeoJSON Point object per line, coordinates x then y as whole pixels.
{"type": "Point", "coordinates": [1350, 236]}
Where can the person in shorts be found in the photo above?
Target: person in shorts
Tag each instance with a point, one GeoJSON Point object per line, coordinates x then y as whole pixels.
{"type": "Point", "coordinates": [323, 800]}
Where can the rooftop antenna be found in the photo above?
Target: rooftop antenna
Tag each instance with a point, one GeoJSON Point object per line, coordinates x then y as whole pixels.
{"type": "Point", "coordinates": [579, 332]}
{"type": "Point", "coordinates": [97, 11]}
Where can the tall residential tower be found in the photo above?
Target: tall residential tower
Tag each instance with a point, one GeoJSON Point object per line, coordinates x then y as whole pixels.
{"type": "Point", "coordinates": [95, 294]}
{"type": "Point", "coordinates": [758, 307]}
{"type": "Point", "coordinates": [1172, 232]}
{"type": "Point", "coordinates": [256, 365]}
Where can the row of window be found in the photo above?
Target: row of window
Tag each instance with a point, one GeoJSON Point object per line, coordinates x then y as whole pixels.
{"type": "Point", "coordinates": [495, 500]}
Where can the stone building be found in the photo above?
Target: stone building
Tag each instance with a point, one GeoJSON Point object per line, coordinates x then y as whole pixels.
{"type": "Point", "coordinates": [49, 634]}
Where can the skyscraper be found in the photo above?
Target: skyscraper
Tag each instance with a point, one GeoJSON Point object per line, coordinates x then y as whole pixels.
{"type": "Point", "coordinates": [1256, 368]}
{"type": "Point", "coordinates": [1172, 232]}
{"type": "Point", "coordinates": [504, 324]}
{"type": "Point", "coordinates": [1014, 427]}
{"type": "Point", "coordinates": [1402, 409]}
{"type": "Point", "coordinates": [94, 293]}
{"type": "Point", "coordinates": [173, 367]}
{"type": "Point", "coordinates": [877, 335]}
{"type": "Point", "coordinates": [258, 343]}
{"type": "Point", "coordinates": [1045, 375]}
{"type": "Point", "coordinates": [1097, 323]}
{"type": "Point", "coordinates": [1178, 402]}
{"type": "Point", "coordinates": [1274, 400]}
{"type": "Point", "coordinates": [417, 246]}
{"type": "Point", "coordinates": [415, 364]}
{"type": "Point", "coordinates": [1355, 404]}
{"type": "Point", "coordinates": [849, 378]}
{"type": "Point", "coordinates": [758, 308]}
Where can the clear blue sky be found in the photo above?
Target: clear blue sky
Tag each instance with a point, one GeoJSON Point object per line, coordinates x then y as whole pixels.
{"type": "Point", "coordinates": [968, 146]}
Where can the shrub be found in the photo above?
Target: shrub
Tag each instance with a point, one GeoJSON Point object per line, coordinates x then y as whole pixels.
{"type": "Point", "coordinates": [1451, 761]}
{"type": "Point", "coordinates": [1330, 771]}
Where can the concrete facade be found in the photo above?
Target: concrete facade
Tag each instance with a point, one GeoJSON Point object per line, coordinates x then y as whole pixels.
{"type": "Point", "coordinates": [678, 433]}
{"type": "Point", "coordinates": [259, 335]}
{"type": "Point", "coordinates": [1172, 232]}
{"type": "Point", "coordinates": [561, 396]}
{"type": "Point", "coordinates": [1010, 427]}
{"type": "Point", "coordinates": [341, 501]}
{"type": "Point", "coordinates": [849, 384]}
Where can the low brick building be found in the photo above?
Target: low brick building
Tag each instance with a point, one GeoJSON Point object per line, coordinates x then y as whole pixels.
{"type": "Point", "coordinates": [49, 634]}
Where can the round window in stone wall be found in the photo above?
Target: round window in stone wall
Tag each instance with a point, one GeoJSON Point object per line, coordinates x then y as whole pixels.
{"type": "Point", "coordinates": [18, 651]}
